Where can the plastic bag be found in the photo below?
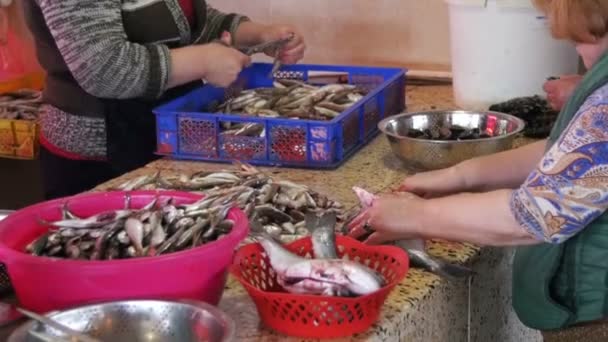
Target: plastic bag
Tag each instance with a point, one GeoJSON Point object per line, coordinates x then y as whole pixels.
{"type": "Point", "coordinates": [11, 66]}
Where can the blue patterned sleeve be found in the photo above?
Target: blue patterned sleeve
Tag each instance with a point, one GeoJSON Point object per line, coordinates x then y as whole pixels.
{"type": "Point", "coordinates": [569, 187]}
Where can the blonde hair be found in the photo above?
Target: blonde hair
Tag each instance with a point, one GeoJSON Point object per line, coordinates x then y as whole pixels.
{"type": "Point", "coordinates": [581, 21]}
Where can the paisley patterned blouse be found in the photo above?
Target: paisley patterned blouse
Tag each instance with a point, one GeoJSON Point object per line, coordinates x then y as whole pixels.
{"type": "Point", "coordinates": [569, 187]}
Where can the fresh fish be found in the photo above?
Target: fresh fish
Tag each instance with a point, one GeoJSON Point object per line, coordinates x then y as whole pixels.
{"type": "Point", "coordinates": [66, 214]}
{"type": "Point", "coordinates": [281, 204]}
{"type": "Point", "coordinates": [416, 248]}
{"type": "Point", "coordinates": [130, 233]}
{"type": "Point", "coordinates": [199, 227]}
{"type": "Point", "coordinates": [289, 227]}
{"type": "Point", "coordinates": [139, 182]}
{"type": "Point", "coordinates": [101, 243]}
{"type": "Point", "coordinates": [123, 238]}
{"type": "Point", "coordinates": [352, 276]}
{"type": "Point", "coordinates": [313, 287]}
{"type": "Point", "coordinates": [148, 206]}
{"type": "Point", "coordinates": [342, 276]}
{"type": "Point", "coordinates": [158, 236]}
{"type": "Point", "coordinates": [95, 221]}
{"type": "Point", "coordinates": [272, 230]}
{"type": "Point", "coordinates": [36, 247]}
{"type": "Point", "coordinates": [323, 235]}
{"type": "Point", "coordinates": [419, 258]}
{"type": "Point", "coordinates": [170, 213]}
{"type": "Point", "coordinates": [326, 112]}
{"type": "Point", "coordinates": [292, 99]}
{"type": "Point", "coordinates": [135, 232]}
{"type": "Point", "coordinates": [272, 212]}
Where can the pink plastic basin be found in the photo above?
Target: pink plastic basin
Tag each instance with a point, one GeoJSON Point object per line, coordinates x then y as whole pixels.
{"type": "Point", "coordinates": [43, 284]}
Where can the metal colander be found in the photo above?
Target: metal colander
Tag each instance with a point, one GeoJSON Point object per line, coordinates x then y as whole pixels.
{"type": "Point", "coordinates": [140, 320]}
{"type": "Point", "coordinates": [428, 154]}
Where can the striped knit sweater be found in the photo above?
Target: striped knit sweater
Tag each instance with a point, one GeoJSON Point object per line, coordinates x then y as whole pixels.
{"type": "Point", "coordinates": [96, 50]}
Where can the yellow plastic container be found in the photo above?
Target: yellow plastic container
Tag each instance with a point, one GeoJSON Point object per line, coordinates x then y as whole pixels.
{"type": "Point", "coordinates": [19, 139]}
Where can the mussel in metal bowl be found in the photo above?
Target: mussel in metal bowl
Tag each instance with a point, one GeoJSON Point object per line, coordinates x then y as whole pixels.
{"type": "Point", "coordinates": [439, 139]}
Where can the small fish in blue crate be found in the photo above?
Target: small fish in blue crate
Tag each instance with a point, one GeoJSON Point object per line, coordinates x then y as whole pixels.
{"type": "Point", "coordinates": [305, 115]}
{"type": "Point", "coordinates": [293, 99]}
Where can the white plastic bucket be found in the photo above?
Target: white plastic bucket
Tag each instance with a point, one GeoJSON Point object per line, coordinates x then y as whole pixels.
{"type": "Point", "coordinates": [501, 50]}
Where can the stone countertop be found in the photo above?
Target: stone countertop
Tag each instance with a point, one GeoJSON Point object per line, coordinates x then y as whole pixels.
{"type": "Point", "coordinates": [422, 306]}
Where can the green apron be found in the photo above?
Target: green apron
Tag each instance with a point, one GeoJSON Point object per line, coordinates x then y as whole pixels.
{"type": "Point", "coordinates": [555, 286]}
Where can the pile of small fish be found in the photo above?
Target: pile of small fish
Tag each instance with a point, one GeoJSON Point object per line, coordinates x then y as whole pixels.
{"type": "Point", "coordinates": [326, 274]}
{"type": "Point", "coordinates": [129, 233]}
{"type": "Point", "coordinates": [20, 105]}
{"type": "Point", "coordinates": [288, 99]}
{"type": "Point", "coordinates": [279, 206]}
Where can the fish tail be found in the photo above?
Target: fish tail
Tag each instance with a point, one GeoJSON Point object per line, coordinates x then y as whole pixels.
{"type": "Point", "coordinates": [328, 219]}
{"type": "Point", "coordinates": [453, 271]}
{"type": "Point", "coordinates": [311, 221]}
{"type": "Point", "coordinates": [439, 267]}
{"type": "Point", "coordinates": [258, 233]}
{"type": "Point", "coordinates": [43, 222]}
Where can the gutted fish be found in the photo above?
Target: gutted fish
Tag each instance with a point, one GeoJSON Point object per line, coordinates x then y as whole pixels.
{"type": "Point", "coordinates": [334, 277]}
{"type": "Point", "coordinates": [323, 234]}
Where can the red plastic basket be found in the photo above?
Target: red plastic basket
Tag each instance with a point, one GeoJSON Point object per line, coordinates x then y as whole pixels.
{"type": "Point", "coordinates": [311, 316]}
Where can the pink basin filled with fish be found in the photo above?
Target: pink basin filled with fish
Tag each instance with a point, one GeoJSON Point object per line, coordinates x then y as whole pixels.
{"type": "Point", "coordinates": [43, 284]}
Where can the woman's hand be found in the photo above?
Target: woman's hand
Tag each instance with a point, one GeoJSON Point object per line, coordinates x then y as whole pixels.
{"type": "Point", "coordinates": [435, 183]}
{"type": "Point", "coordinates": [482, 219]}
{"type": "Point", "coordinates": [293, 50]}
{"type": "Point", "coordinates": [223, 63]}
{"type": "Point", "coordinates": [559, 91]}
{"type": "Point", "coordinates": [392, 216]}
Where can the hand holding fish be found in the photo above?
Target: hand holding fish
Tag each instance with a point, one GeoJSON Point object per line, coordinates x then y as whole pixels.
{"type": "Point", "coordinates": [399, 217]}
{"type": "Point", "coordinates": [223, 63]}
{"type": "Point", "coordinates": [393, 217]}
{"type": "Point", "coordinates": [435, 183]}
{"type": "Point", "coordinates": [293, 51]}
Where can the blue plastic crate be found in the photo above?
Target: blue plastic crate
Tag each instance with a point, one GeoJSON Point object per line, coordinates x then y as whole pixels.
{"type": "Point", "coordinates": [186, 131]}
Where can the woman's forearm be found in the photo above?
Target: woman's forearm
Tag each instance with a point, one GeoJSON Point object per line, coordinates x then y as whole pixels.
{"type": "Point", "coordinates": [454, 218]}
{"type": "Point", "coordinates": [186, 65]}
{"type": "Point", "coordinates": [505, 170]}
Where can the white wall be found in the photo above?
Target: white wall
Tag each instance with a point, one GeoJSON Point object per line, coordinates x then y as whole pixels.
{"type": "Point", "coordinates": [369, 32]}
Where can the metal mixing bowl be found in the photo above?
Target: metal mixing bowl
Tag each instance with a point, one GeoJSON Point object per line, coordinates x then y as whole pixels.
{"type": "Point", "coordinates": [140, 320]}
{"type": "Point", "coordinates": [425, 154]}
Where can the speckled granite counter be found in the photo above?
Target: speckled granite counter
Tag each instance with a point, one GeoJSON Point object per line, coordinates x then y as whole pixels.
{"type": "Point", "coordinates": [423, 307]}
